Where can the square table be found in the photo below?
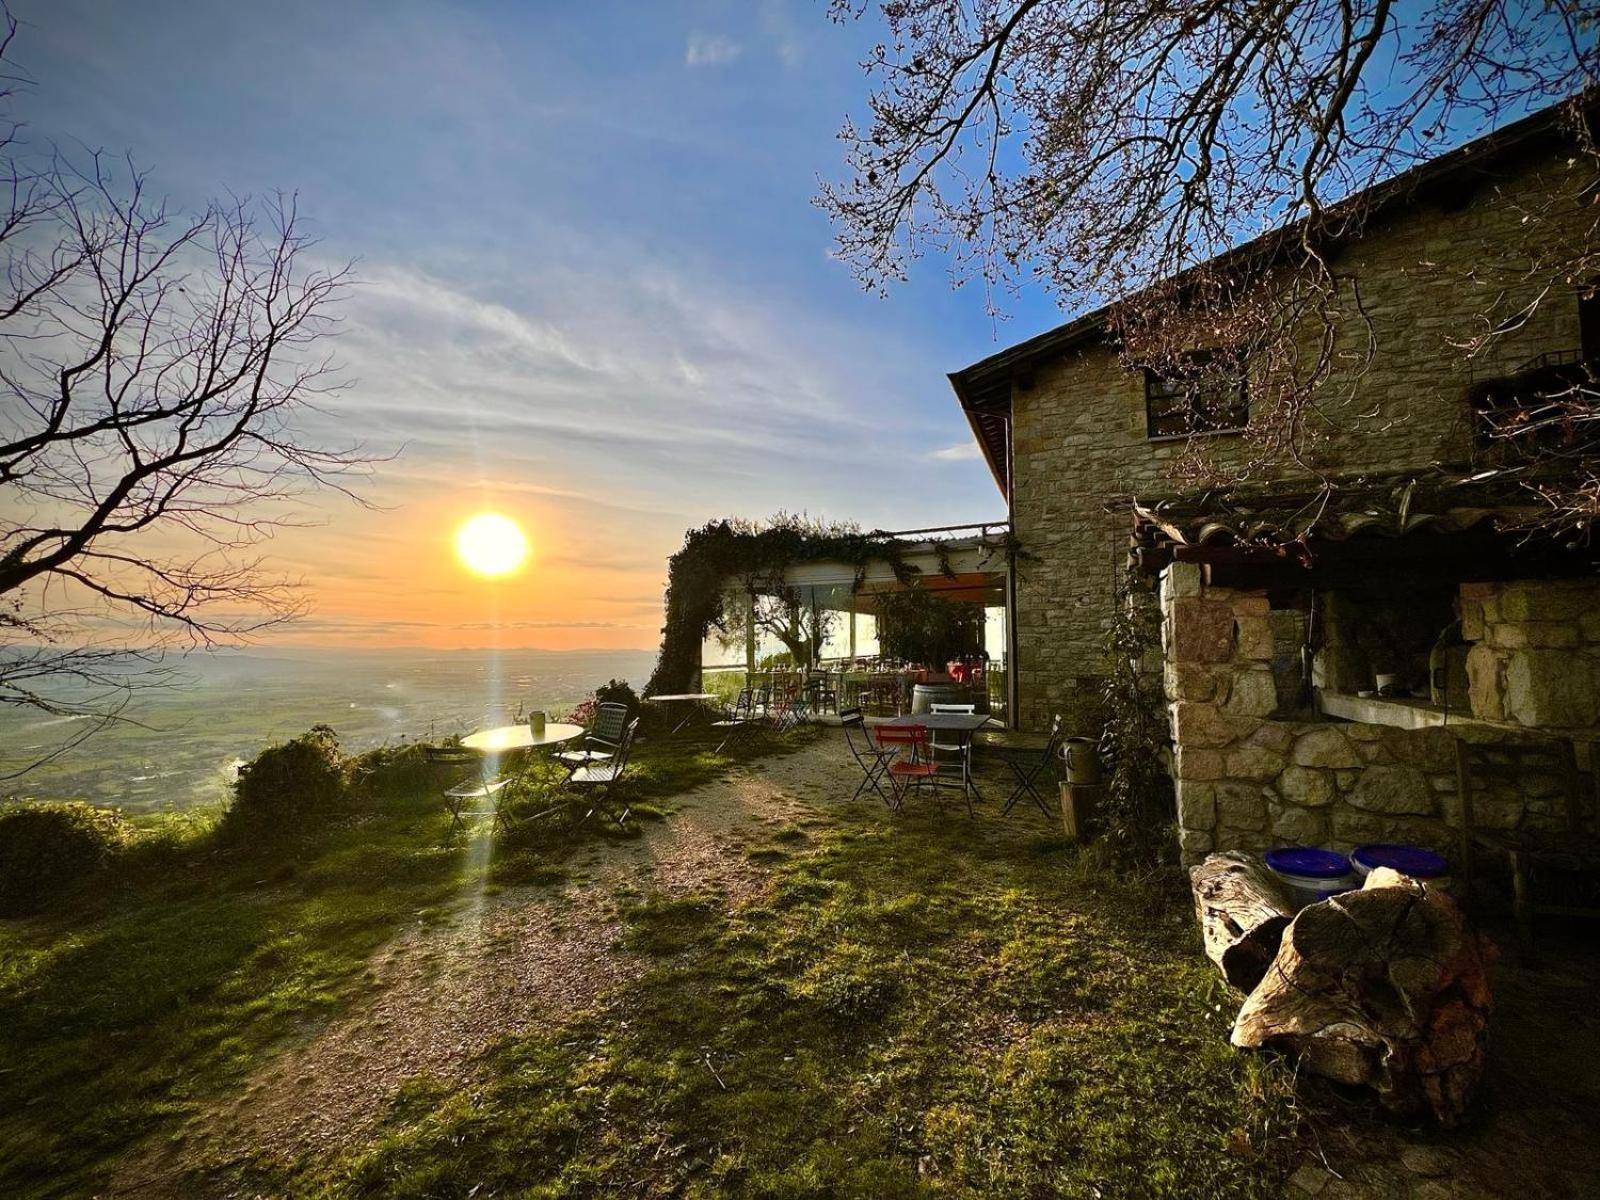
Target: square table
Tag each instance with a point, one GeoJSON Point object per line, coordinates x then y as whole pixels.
{"type": "Point", "coordinates": [965, 724]}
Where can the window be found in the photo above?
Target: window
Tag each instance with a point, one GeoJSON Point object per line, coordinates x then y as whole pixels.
{"type": "Point", "coordinates": [1208, 402]}
{"type": "Point", "coordinates": [1589, 319]}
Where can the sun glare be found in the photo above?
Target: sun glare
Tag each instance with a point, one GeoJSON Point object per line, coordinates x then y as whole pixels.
{"type": "Point", "coordinates": [491, 545]}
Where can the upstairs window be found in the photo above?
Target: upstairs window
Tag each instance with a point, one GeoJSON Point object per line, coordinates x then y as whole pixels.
{"type": "Point", "coordinates": [1589, 320]}
{"type": "Point", "coordinates": [1207, 401]}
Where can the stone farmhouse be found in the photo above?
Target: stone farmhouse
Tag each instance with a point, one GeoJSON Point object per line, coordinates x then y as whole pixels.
{"type": "Point", "coordinates": [1396, 553]}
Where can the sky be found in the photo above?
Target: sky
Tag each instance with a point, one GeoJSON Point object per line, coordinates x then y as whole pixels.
{"type": "Point", "coordinates": [592, 294]}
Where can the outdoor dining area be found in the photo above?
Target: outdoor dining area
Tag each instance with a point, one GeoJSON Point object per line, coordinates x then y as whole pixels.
{"type": "Point", "coordinates": [586, 763]}
{"type": "Point", "coordinates": [910, 746]}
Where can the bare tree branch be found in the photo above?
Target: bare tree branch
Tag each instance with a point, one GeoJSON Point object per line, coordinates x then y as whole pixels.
{"type": "Point", "coordinates": [156, 372]}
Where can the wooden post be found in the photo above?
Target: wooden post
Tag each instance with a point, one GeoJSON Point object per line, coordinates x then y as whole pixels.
{"type": "Point", "coordinates": [852, 627]}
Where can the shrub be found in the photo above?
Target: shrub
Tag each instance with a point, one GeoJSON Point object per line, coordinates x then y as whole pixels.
{"type": "Point", "coordinates": [47, 848]}
{"type": "Point", "coordinates": [615, 691]}
{"type": "Point", "coordinates": [618, 691]}
{"type": "Point", "coordinates": [392, 773]}
{"type": "Point", "coordinates": [289, 786]}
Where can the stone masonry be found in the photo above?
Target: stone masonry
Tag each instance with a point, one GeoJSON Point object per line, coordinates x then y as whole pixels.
{"type": "Point", "coordinates": [1079, 437]}
{"type": "Point", "coordinates": [1247, 781]}
{"type": "Point", "coordinates": [1535, 658]}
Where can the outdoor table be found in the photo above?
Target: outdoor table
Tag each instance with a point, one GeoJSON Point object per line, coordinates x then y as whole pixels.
{"type": "Point", "coordinates": [689, 699]}
{"type": "Point", "coordinates": [521, 737]}
{"type": "Point", "coordinates": [966, 724]}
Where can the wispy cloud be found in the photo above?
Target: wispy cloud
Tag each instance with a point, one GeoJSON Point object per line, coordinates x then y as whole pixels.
{"type": "Point", "coordinates": [960, 452]}
{"type": "Point", "coordinates": [780, 27]}
{"type": "Point", "coordinates": [711, 50]}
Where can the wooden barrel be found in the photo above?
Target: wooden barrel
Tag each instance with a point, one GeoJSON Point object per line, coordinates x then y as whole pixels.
{"type": "Point", "coordinates": [923, 695]}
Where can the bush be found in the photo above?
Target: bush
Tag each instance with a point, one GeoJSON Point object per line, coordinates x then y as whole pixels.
{"type": "Point", "coordinates": [289, 786]}
{"type": "Point", "coordinates": [615, 691]}
{"type": "Point", "coordinates": [393, 773]}
{"type": "Point", "coordinates": [47, 848]}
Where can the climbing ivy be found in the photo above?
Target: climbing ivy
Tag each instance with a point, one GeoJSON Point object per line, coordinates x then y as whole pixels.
{"type": "Point", "coordinates": [1137, 806]}
{"type": "Point", "coordinates": [754, 556]}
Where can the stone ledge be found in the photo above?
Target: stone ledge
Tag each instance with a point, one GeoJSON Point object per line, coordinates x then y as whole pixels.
{"type": "Point", "coordinates": [1400, 714]}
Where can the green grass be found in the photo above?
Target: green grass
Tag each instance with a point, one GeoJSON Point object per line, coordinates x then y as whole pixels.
{"type": "Point", "coordinates": [915, 1012]}
{"type": "Point", "coordinates": [173, 978]}
{"type": "Point", "coordinates": [917, 1007]}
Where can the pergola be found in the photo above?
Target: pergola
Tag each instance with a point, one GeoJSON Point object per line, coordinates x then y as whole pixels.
{"type": "Point", "coordinates": [969, 564]}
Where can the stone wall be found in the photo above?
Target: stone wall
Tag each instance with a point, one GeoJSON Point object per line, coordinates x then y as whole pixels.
{"type": "Point", "coordinates": [1248, 781]}
{"type": "Point", "coordinates": [1535, 659]}
{"type": "Point", "coordinates": [1079, 438]}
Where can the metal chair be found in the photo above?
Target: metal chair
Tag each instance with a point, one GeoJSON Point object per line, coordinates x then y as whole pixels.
{"type": "Point", "coordinates": [1028, 766]}
{"type": "Point", "coordinates": [947, 742]}
{"type": "Point", "coordinates": [912, 770]}
{"type": "Point", "coordinates": [740, 721]}
{"type": "Point", "coordinates": [473, 796]}
{"type": "Point", "coordinates": [1574, 850]}
{"type": "Point", "coordinates": [873, 760]}
{"type": "Point", "coordinates": [601, 742]}
{"type": "Point", "coordinates": [822, 693]}
{"type": "Point", "coordinates": [883, 695]}
{"type": "Point", "coordinates": [598, 777]}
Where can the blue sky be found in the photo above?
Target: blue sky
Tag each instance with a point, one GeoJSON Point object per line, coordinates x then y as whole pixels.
{"type": "Point", "coordinates": [594, 289]}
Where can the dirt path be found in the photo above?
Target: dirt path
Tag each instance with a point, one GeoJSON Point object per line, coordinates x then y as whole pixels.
{"type": "Point", "coordinates": [441, 995]}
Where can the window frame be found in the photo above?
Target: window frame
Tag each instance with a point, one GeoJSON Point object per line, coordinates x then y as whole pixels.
{"type": "Point", "coordinates": [1181, 395]}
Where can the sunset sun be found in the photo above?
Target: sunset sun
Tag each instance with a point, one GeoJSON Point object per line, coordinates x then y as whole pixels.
{"type": "Point", "coordinates": [491, 545]}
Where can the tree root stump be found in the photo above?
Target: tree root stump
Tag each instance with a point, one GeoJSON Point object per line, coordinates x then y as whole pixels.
{"type": "Point", "coordinates": [1387, 988]}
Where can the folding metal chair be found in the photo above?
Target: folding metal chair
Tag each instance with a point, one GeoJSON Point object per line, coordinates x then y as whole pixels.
{"type": "Point", "coordinates": [597, 778]}
{"type": "Point", "coordinates": [912, 770]}
{"type": "Point", "coordinates": [610, 720]}
{"type": "Point", "coordinates": [473, 796]}
{"type": "Point", "coordinates": [947, 742]}
{"type": "Point", "coordinates": [1028, 766]}
{"type": "Point", "coordinates": [740, 722]}
{"type": "Point", "coordinates": [873, 761]}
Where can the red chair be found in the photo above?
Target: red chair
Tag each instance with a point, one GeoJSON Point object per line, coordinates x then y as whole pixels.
{"type": "Point", "coordinates": [915, 770]}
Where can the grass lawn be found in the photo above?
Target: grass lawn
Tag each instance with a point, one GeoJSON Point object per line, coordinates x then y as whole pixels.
{"type": "Point", "coordinates": [912, 1012]}
{"type": "Point", "coordinates": [914, 1006]}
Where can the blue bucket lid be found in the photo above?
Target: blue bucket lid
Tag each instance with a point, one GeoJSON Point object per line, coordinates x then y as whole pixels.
{"type": "Point", "coordinates": [1309, 862]}
{"type": "Point", "coordinates": [1408, 860]}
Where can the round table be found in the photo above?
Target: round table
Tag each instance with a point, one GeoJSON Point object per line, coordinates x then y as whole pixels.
{"type": "Point", "coordinates": [521, 737]}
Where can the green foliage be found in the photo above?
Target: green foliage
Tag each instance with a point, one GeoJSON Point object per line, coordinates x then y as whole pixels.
{"type": "Point", "coordinates": [916, 626]}
{"type": "Point", "coordinates": [288, 787]}
{"type": "Point", "coordinates": [1136, 813]}
{"type": "Point", "coordinates": [734, 552]}
{"type": "Point", "coordinates": [166, 992]}
{"type": "Point", "coordinates": [48, 849]}
{"type": "Point", "coordinates": [390, 773]}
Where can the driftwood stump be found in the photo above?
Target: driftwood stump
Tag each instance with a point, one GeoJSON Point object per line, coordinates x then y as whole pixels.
{"type": "Point", "coordinates": [1243, 911]}
{"type": "Point", "coordinates": [1385, 987]}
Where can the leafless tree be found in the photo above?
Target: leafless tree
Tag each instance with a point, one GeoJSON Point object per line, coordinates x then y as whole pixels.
{"type": "Point", "coordinates": [156, 369]}
{"type": "Point", "coordinates": [1112, 150]}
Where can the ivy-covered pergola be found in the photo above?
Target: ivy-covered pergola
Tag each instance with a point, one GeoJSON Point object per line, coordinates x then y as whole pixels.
{"type": "Point", "coordinates": [731, 563]}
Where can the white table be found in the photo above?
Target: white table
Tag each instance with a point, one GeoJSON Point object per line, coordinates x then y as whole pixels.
{"type": "Point", "coordinates": [687, 698]}
{"type": "Point", "coordinates": [521, 737]}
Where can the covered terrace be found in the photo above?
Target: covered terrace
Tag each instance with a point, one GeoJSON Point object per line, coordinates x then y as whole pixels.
{"type": "Point", "coordinates": [929, 616]}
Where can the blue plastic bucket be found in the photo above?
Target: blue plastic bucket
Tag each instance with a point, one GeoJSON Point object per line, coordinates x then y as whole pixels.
{"type": "Point", "coordinates": [1415, 861]}
{"type": "Point", "coordinates": [1312, 874]}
